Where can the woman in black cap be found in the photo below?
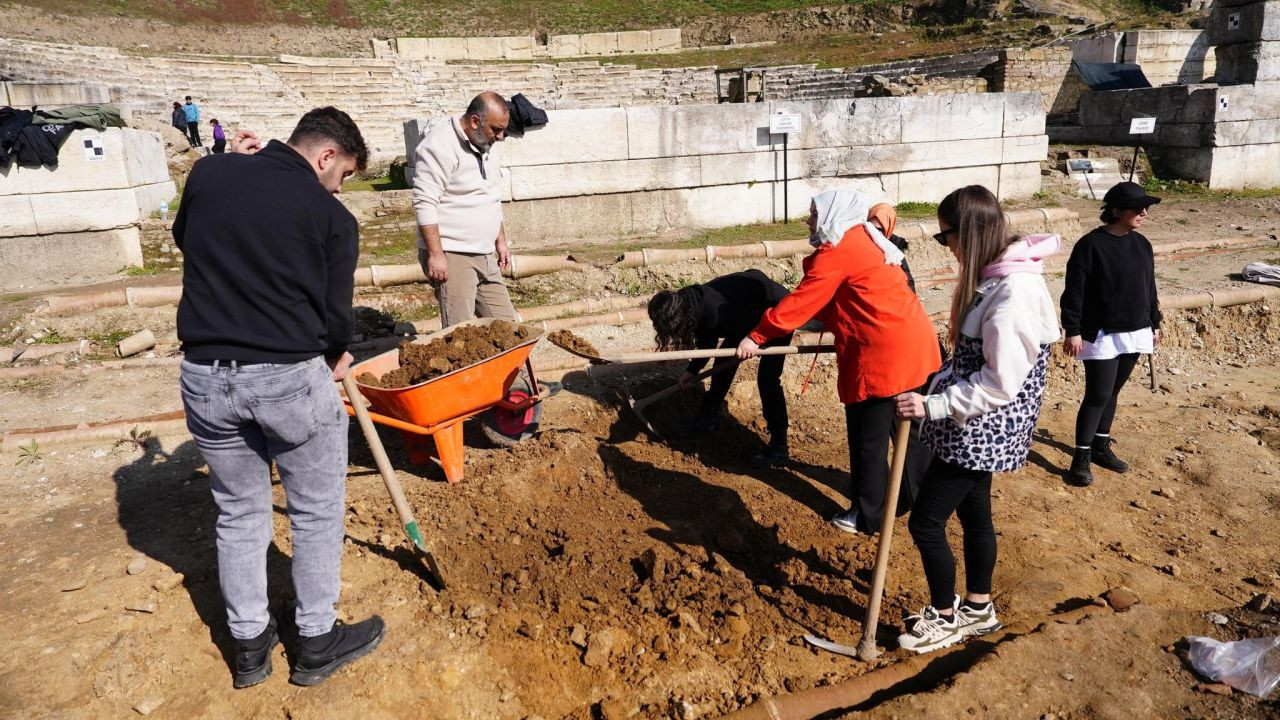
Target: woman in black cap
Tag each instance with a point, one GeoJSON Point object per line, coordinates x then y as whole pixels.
{"type": "Point", "coordinates": [1110, 314]}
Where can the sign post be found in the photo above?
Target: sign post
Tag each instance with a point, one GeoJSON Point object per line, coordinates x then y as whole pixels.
{"type": "Point", "coordinates": [784, 123]}
{"type": "Point", "coordinates": [1139, 126]}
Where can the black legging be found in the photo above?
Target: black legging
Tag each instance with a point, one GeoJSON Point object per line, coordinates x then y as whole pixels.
{"type": "Point", "coordinates": [947, 489]}
{"type": "Point", "coordinates": [773, 403]}
{"type": "Point", "coordinates": [869, 425]}
{"type": "Point", "coordinates": [1103, 380]}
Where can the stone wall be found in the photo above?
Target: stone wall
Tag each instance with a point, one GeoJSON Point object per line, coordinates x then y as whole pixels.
{"type": "Point", "coordinates": [527, 47]}
{"type": "Point", "coordinates": [648, 169]}
{"type": "Point", "coordinates": [79, 219]}
{"type": "Point", "coordinates": [1171, 57]}
{"type": "Point", "coordinates": [26, 95]}
{"type": "Point", "coordinates": [1042, 70]}
{"type": "Point", "coordinates": [1228, 137]}
{"type": "Point", "coordinates": [807, 82]}
{"type": "Point", "coordinates": [378, 93]}
{"type": "Point", "coordinates": [1167, 57]}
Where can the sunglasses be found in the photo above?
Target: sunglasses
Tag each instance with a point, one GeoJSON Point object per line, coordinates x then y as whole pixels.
{"type": "Point", "coordinates": [941, 237]}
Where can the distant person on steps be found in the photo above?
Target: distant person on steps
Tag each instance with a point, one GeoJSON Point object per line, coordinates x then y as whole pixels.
{"type": "Point", "coordinates": [192, 113]}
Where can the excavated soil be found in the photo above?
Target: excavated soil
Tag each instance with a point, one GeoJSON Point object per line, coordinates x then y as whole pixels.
{"type": "Point", "coordinates": [461, 348]}
{"type": "Point", "coordinates": [573, 343]}
{"type": "Point", "coordinates": [597, 573]}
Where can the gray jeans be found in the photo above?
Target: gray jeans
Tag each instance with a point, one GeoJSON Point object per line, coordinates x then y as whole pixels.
{"type": "Point", "coordinates": [243, 418]}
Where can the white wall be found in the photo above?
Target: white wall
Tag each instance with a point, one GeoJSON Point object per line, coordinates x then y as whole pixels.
{"type": "Point", "coordinates": [79, 219]}
{"type": "Point", "coordinates": [619, 171]}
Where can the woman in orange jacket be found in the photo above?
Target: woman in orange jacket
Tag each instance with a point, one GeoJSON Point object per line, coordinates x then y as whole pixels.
{"type": "Point", "coordinates": [885, 343]}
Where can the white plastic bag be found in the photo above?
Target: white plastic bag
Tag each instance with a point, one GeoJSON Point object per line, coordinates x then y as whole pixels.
{"type": "Point", "coordinates": [1251, 665]}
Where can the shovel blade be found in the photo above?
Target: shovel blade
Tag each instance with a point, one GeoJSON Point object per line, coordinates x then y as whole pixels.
{"type": "Point", "coordinates": [424, 555]}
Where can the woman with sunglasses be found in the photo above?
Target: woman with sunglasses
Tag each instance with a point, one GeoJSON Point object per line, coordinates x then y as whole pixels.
{"type": "Point", "coordinates": [980, 410]}
{"type": "Point", "coordinates": [1110, 299]}
{"type": "Point", "coordinates": [884, 341]}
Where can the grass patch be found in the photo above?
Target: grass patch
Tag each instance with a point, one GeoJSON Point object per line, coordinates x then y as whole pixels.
{"type": "Point", "coordinates": [437, 18]}
{"type": "Point", "coordinates": [416, 312]}
{"type": "Point", "coordinates": [914, 209]}
{"type": "Point", "coordinates": [53, 338]}
{"type": "Point", "coordinates": [110, 339]}
{"type": "Point", "coordinates": [1193, 189]}
{"type": "Point", "coordinates": [16, 298]}
{"type": "Point", "coordinates": [374, 184]}
{"type": "Point", "coordinates": [144, 271]}
{"type": "Point", "coordinates": [737, 235]}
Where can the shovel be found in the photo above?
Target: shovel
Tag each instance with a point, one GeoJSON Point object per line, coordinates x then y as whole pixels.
{"type": "Point", "coordinates": [656, 357]}
{"type": "Point", "coordinates": [638, 406]}
{"type": "Point", "coordinates": [420, 549]}
{"type": "Point", "coordinates": [867, 649]}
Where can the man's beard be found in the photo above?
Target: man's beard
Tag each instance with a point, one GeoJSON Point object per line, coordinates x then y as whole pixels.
{"type": "Point", "coordinates": [477, 139]}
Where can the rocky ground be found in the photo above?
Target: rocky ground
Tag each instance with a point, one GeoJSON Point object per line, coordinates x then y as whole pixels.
{"type": "Point", "coordinates": [596, 572]}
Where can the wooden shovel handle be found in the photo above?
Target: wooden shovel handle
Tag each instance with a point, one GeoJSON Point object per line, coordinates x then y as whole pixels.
{"type": "Point", "coordinates": [389, 477]}
{"type": "Point", "coordinates": [867, 648]}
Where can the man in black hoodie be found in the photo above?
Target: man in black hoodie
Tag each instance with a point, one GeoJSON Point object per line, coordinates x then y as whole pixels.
{"type": "Point", "coordinates": [265, 320]}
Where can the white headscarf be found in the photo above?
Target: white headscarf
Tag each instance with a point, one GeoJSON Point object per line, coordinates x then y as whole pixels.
{"type": "Point", "coordinates": [840, 210]}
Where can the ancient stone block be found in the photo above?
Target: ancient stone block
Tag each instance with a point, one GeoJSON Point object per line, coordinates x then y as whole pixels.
{"type": "Point", "coordinates": [561, 46]}
{"type": "Point", "coordinates": [564, 139]}
{"type": "Point", "coordinates": [1248, 62]}
{"type": "Point", "coordinates": [665, 39]}
{"type": "Point", "coordinates": [616, 176]}
{"type": "Point", "coordinates": [953, 117]}
{"type": "Point", "coordinates": [696, 129]}
{"type": "Point", "coordinates": [599, 43]}
{"type": "Point", "coordinates": [447, 48]}
{"type": "Point", "coordinates": [49, 260]}
{"type": "Point", "coordinates": [634, 41]}
{"type": "Point", "coordinates": [484, 48]}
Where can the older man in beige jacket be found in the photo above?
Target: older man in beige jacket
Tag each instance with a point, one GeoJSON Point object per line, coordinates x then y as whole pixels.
{"type": "Point", "coordinates": [457, 196]}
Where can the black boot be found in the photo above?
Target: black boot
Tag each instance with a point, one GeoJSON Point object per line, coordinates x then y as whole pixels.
{"type": "Point", "coordinates": [322, 655]}
{"type": "Point", "coordinates": [253, 657]}
{"type": "Point", "coordinates": [771, 456]}
{"type": "Point", "coordinates": [1080, 473]}
{"type": "Point", "coordinates": [1104, 457]}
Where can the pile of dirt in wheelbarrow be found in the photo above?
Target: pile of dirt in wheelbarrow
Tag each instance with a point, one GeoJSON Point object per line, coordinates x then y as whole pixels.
{"type": "Point", "coordinates": [461, 348]}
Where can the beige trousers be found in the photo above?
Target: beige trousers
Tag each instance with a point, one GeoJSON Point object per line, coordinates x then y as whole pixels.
{"type": "Point", "coordinates": [475, 288]}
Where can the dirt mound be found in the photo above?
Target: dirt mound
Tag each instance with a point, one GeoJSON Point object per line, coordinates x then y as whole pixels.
{"type": "Point", "coordinates": [461, 348]}
{"type": "Point", "coordinates": [573, 343]}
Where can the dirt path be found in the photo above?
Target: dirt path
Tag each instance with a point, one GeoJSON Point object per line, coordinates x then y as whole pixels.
{"type": "Point", "coordinates": [599, 574]}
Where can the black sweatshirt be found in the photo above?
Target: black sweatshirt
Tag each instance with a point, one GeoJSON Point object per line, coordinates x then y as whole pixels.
{"type": "Point", "coordinates": [269, 258]}
{"type": "Point", "coordinates": [730, 307]}
{"type": "Point", "coordinates": [1111, 286]}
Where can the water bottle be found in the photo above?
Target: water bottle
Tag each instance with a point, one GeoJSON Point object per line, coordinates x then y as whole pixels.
{"type": "Point", "coordinates": [164, 211]}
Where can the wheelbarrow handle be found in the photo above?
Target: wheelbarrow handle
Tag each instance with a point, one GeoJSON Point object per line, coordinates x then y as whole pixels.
{"type": "Point", "coordinates": [385, 420]}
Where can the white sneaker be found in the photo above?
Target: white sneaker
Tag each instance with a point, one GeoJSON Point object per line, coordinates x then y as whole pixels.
{"type": "Point", "coordinates": [847, 522]}
{"type": "Point", "coordinates": [930, 631]}
{"type": "Point", "coordinates": [977, 622]}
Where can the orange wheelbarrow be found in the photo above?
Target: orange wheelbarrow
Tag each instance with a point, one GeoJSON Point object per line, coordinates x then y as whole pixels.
{"type": "Point", "coordinates": [436, 409]}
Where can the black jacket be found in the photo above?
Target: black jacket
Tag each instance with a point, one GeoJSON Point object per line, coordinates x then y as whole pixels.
{"type": "Point", "coordinates": [12, 121]}
{"type": "Point", "coordinates": [269, 258]}
{"type": "Point", "coordinates": [1111, 286]}
{"type": "Point", "coordinates": [730, 307]}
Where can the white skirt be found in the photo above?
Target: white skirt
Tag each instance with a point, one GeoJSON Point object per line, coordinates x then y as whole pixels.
{"type": "Point", "coordinates": [1110, 345]}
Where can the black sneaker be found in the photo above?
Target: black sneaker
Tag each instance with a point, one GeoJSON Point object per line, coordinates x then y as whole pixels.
{"type": "Point", "coordinates": [771, 456]}
{"type": "Point", "coordinates": [1102, 455]}
{"type": "Point", "coordinates": [322, 655]}
{"type": "Point", "coordinates": [253, 657]}
{"type": "Point", "coordinates": [1080, 474]}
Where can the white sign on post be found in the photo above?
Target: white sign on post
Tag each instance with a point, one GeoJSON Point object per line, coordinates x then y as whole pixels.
{"type": "Point", "coordinates": [1142, 126]}
{"type": "Point", "coordinates": [784, 123]}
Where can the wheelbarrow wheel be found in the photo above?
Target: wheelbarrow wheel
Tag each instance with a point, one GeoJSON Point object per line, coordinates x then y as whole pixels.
{"type": "Point", "coordinates": [505, 428]}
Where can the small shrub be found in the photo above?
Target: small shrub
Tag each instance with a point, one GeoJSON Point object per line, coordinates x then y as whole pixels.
{"type": "Point", "coordinates": [30, 454]}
